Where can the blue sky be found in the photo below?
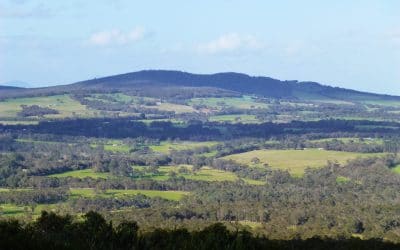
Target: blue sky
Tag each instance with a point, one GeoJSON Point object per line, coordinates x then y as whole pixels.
{"type": "Point", "coordinates": [353, 44]}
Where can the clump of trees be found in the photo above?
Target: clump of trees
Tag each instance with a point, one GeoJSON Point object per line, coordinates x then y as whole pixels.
{"type": "Point", "coordinates": [36, 110]}
{"type": "Point", "coordinates": [52, 231]}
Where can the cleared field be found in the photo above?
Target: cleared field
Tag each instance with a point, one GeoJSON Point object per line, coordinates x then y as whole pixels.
{"type": "Point", "coordinates": [11, 210]}
{"type": "Point", "coordinates": [177, 108]}
{"type": "Point", "coordinates": [396, 169]}
{"type": "Point", "coordinates": [295, 161]}
{"type": "Point", "coordinates": [114, 193]}
{"type": "Point", "coordinates": [117, 147]}
{"type": "Point", "coordinates": [19, 122]}
{"type": "Point", "coordinates": [63, 103]}
{"type": "Point", "coordinates": [204, 174]}
{"type": "Point", "coordinates": [250, 224]}
{"type": "Point", "coordinates": [165, 146]}
{"type": "Point", "coordinates": [140, 101]}
{"type": "Point", "coordinates": [114, 146]}
{"type": "Point", "coordinates": [342, 179]}
{"type": "Point", "coordinates": [84, 173]}
{"type": "Point", "coordinates": [234, 118]}
{"type": "Point", "coordinates": [245, 102]}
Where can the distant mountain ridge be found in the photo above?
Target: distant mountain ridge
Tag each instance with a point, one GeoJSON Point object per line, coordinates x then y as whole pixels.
{"type": "Point", "coordinates": [19, 84]}
{"type": "Point", "coordinates": [8, 87]}
{"type": "Point", "coordinates": [237, 82]}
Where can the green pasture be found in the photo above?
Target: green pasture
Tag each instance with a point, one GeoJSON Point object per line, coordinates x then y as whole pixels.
{"type": "Point", "coordinates": [203, 174]}
{"type": "Point", "coordinates": [245, 102]}
{"type": "Point", "coordinates": [234, 118]}
{"type": "Point", "coordinates": [396, 169]}
{"type": "Point", "coordinates": [296, 161]}
{"type": "Point", "coordinates": [84, 173]}
{"type": "Point", "coordinates": [13, 210]}
{"type": "Point", "coordinates": [12, 122]}
{"type": "Point", "coordinates": [166, 146]}
{"type": "Point", "coordinates": [115, 193]}
{"type": "Point", "coordinates": [63, 103]}
{"type": "Point", "coordinates": [177, 108]}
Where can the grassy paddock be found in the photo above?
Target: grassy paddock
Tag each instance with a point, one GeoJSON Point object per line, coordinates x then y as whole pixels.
{"type": "Point", "coordinates": [204, 174]}
{"type": "Point", "coordinates": [296, 161]}
{"type": "Point", "coordinates": [245, 102]}
{"type": "Point", "coordinates": [12, 122]}
{"type": "Point", "coordinates": [396, 169]}
{"type": "Point", "coordinates": [64, 104]}
{"type": "Point", "coordinates": [234, 118]}
{"type": "Point", "coordinates": [110, 193]}
{"type": "Point", "coordinates": [165, 147]}
{"type": "Point", "coordinates": [84, 173]}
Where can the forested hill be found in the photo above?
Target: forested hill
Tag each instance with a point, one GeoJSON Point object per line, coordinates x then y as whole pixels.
{"type": "Point", "coordinates": [238, 82]}
{"type": "Point", "coordinates": [8, 87]}
{"type": "Point", "coordinates": [233, 82]}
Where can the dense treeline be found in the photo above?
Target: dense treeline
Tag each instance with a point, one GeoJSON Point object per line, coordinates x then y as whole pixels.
{"type": "Point", "coordinates": [334, 201]}
{"type": "Point", "coordinates": [41, 196]}
{"type": "Point", "coordinates": [51, 231]}
{"type": "Point", "coordinates": [126, 127]}
{"type": "Point", "coordinates": [36, 110]}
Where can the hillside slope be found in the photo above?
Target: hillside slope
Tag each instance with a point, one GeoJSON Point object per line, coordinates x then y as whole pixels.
{"type": "Point", "coordinates": [236, 82]}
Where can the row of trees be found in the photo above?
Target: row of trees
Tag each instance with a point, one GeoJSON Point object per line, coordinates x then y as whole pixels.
{"type": "Point", "coordinates": [51, 231]}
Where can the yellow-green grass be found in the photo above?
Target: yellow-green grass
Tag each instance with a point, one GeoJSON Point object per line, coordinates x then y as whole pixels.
{"type": "Point", "coordinates": [66, 106]}
{"type": "Point", "coordinates": [234, 118]}
{"type": "Point", "coordinates": [91, 193]}
{"type": "Point", "coordinates": [19, 122]}
{"type": "Point", "coordinates": [166, 146]}
{"type": "Point", "coordinates": [296, 161]}
{"type": "Point", "coordinates": [396, 169]}
{"type": "Point", "coordinates": [117, 148]}
{"type": "Point", "coordinates": [204, 174]}
{"type": "Point", "coordinates": [342, 179]}
{"type": "Point", "coordinates": [250, 224]}
{"type": "Point", "coordinates": [245, 102]}
{"type": "Point", "coordinates": [177, 108]}
{"type": "Point", "coordinates": [113, 146]}
{"type": "Point", "coordinates": [11, 210]}
{"type": "Point", "coordinates": [84, 173]}
{"type": "Point", "coordinates": [14, 189]}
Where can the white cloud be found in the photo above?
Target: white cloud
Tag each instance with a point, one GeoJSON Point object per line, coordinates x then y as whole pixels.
{"type": "Point", "coordinates": [117, 37]}
{"type": "Point", "coordinates": [230, 42]}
